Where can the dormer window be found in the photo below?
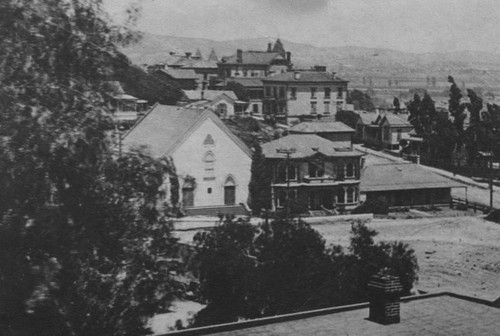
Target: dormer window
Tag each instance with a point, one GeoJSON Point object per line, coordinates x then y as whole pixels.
{"type": "Point", "coordinates": [209, 141]}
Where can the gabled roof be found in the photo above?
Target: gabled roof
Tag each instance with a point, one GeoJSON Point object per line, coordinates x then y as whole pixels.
{"type": "Point", "coordinates": [368, 118]}
{"type": "Point", "coordinates": [402, 176]}
{"type": "Point", "coordinates": [305, 77]}
{"type": "Point", "coordinates": [321, 127]}
{"type": "Point", "coordinates": [164, 128]}
{"type": "Point", "coordinates": [396, 120]}
{"type": "Point", "coordinates": [208, 94]}
{"type": "Point", "coordinates": [181, 73]}
{"type": "Point", "coordinates": [306, 145]}
{"type": "Point", "coordinates": [253, 57]}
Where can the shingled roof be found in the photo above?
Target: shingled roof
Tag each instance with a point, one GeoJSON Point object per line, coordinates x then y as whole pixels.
{"type": "Point", "coordinates": [306, 145]}
{"type": "Point", "coordinates": [208, 94]}
{"type": "Point", "coordinates": [305, 77]}
{"type": "Point", "coordinates": [402, 176]}
{"type": "Point", "coordinates": [321, 127]}
{"type": "Point", "coordinates": [165, 127]}
{"type": "Point", "coordinates": [396, 120]}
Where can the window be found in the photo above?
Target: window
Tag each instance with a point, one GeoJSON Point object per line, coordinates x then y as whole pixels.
{"type": "Point", "coordinates": [400, 131]}
{"type": "Point", "coordinates": [316, 169]}
{"type": "Point", "coordinates": [341, 196]}
{"type": "Point", "coordinates": [314, 109]}
{"type": "Point", "coordinates": [351, 192]}
{"type": "Point", "coordinates": [285, 173]}
{"type": "Point", "coordinates": [268, 91]}
{"type": "Point", "coordinates": [209, 190]}
{"type": "Point", "coordinates": [275, 92]}
{"type": "Point", "coordinates": [387, 133]}
{"type": "Point", "coordinates": [229, 191]}
{"type": "Point", "coordinates": [209, 160]}
{"type": "Point", "coordinates": [340, 93]}
{"type": "Point", "coordinates": [282, 92]}
{"type": "Point", "coordinates": [327, 93]}
{"type": "Point", "coordinates": [313, 92]}
{"type": "Point", "coordinates": [188, 193]}
{"type": "Point", "coordinates": [245, 72]}
{"type": "Point", "coordinates": [222, 110]}
{"type": "Point", "coordinates": [327, 108]}
{"type": "Point", "coordinates": [293, 93]}
{"type": "Point", "coordinates": [255, 108]}
{"type": "Point", "coordinates": [349, 170]}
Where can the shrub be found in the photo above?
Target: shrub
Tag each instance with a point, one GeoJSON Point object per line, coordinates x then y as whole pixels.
{"type": "Point", "coordinates": [373, 205]}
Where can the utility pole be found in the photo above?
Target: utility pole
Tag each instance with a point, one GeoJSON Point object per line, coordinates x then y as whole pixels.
{"type": "Point", "coordinates": [287, 152]}
{"type": "Point", "coordinates": [491, 181]}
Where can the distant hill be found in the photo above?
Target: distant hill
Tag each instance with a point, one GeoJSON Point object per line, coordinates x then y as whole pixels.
{"type": "Point", "coordinates": [411, 70]}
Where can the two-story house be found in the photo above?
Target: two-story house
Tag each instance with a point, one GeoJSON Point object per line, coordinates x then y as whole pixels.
{"type": "Point", "coordinates": [304, 94]}
{"type": "Point", "coordinates": [316, 174]}
{"type": "Point", "coordinates": [393, 128]}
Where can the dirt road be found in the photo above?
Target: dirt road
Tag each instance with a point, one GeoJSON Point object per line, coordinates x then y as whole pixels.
{"type": "Point", "coordinates": [458, 254]}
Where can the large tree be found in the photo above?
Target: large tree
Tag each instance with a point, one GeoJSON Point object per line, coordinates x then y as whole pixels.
{"type": "Point", "coordinates": [85, 243]}
{"type": "Point", "coordinates": [260, 182]}
{"type": "Point", "coordinates": [283, 266]}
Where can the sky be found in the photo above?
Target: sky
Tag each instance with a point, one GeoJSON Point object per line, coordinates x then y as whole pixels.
{"type": "Point", "coordinates": [406, 25]}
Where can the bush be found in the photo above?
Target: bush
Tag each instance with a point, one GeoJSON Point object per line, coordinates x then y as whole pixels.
{"type": "Point", "coordinates": [373, 205]}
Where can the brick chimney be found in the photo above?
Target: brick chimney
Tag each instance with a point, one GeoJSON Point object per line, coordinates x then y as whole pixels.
{"type": "Point", "coordinates": [188, 54]}
{"type": "Point", "coordinates": [289, 57]}
{"type": "Point", "coordinates": [269, 47]}
{"type": "Point", "coordinates": [239, 56]}
{"type": "Point", "coordinates": [385, 292]}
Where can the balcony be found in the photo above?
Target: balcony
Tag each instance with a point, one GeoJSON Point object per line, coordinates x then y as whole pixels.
{"type": "Point", "coordinates": [320, 180]}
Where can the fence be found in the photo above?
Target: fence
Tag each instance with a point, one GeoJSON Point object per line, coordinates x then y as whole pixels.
{"type": "Point", "coordinates": [471, 205]}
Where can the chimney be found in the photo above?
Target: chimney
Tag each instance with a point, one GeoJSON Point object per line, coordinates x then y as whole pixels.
{"type": "Point", "coordinates": [333, 75]}
{"type": "Point", "coordinates": [239, 56]}
{"type": "Point", "coordinates": [296, 75]}
{"type": "Point", "coordinates": [188, 55]}
{"type": "Point", "coordinates": [289, 57]}
{"type": "Point", "coordinates": [384, 292]}
{"type": "Point", "coordinates": [269, 47]}
{"type": "Point", "coordinates": [202, 95]}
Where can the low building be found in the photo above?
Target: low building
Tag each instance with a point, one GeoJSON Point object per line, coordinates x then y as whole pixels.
{"type": "Point", "coordinates": [254, 89]}
{"type": "Point", "coordinates": [185, 79]}
{"type": "Point", "coordinates": [223, 103]}
{"type": "Point", "coordinates": [315, 175]}
{"type": "Point", "coordinates": [406, 185]}
{"type": "Point", "coordinates": [213, 165]}
{"type": "Point", "coordinates": [304, 94]}
{"type": "Point", "coordinates": [335, 131]}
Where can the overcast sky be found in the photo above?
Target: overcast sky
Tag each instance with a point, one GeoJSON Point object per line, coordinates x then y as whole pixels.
{"type": "Point", "coordinates": [406, 25]}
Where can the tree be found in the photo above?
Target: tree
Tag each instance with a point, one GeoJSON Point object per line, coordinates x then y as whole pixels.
{"type": "Point", "coordinates": [85, 242]}
{"type": "Point", "coordinates": [456, 109]}
{"type": "Point", "coordinates": [361, 100]}
{"type": "Point", "coordinates": [239, 90]}
{"type": "Point", "coordinates": [415, 117]}
{"type": "Point", "coordinates": [260, 182]}
{"type": "Point", "coordinates": [397, 105]}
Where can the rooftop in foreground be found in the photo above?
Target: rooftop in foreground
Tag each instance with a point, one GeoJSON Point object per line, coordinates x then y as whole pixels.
{"type": "Point", "coordinates": [435, 314]}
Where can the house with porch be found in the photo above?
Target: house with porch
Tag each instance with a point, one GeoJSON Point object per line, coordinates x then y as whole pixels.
{"type": "Point", "coordinates": [254, 89]}
{"type": "Point", "coordinates": [310, 173]}
{"type": "Point", "coordinates": [212, 164]}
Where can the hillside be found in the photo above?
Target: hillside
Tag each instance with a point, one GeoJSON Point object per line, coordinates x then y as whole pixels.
{"type": "Point", "coordinates": [410, 70]}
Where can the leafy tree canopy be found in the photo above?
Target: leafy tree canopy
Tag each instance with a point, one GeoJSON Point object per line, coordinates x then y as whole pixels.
{"type": "Point", "coordinates": [85, 244]}
{"type": "Point", "coordinates": [284, 266]}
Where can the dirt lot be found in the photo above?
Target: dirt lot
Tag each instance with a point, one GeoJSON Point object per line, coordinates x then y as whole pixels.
{"type": "Point", "coordinates": [458, 254]}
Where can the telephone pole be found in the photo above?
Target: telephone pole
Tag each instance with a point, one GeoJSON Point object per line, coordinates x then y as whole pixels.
{"type": "Point", "coordinates": [287, 152]}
